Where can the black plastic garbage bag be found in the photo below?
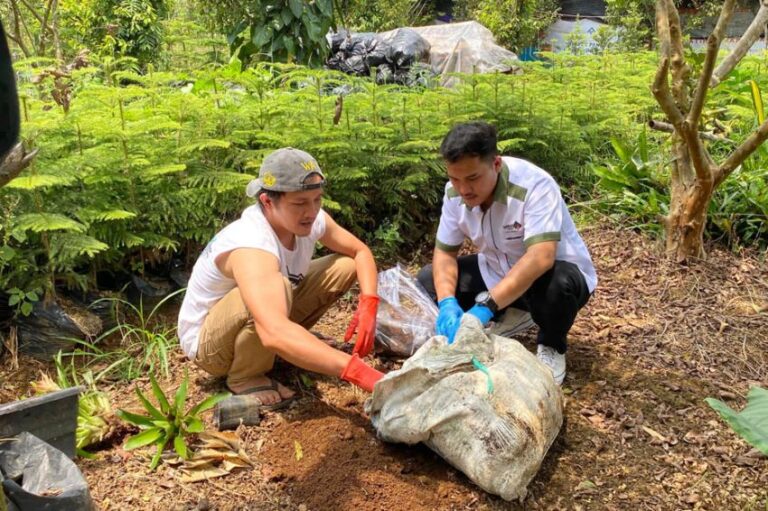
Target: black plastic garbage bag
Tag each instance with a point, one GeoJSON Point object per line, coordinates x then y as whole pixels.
{"type": "Point", "coordinates": [359, 44]}
{"type": "Point", "coordinates": [38, 477]}
{"type": "Point", "coordinates": [407, 47]}
{"type": "Point", "coordinates": [50, 328]}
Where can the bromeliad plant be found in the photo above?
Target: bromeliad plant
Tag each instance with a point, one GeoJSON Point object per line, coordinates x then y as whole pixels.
{"type": "Point", "coordinates": [95, 419]}
{"type": "Point", "coordinates": [167, 423]}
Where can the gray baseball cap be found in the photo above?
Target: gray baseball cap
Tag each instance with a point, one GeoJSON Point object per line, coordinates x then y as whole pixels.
{"type": "Point", "coordinates": [286, 170]}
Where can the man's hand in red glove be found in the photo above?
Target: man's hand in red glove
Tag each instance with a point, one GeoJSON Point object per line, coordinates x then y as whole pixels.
{"type": "Point", "coordinates": [361, 374]}
{"type": "Point", "coordinates": [364, 321]}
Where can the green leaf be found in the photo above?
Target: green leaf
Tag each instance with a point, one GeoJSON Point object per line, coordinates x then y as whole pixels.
{"type": "Point", "coordinates": [209, 143]}
{"type": "Point", "coordinates": [165, 407]}
{"type": "Point", "coordinates": [13, 300]}
{"type": "Point", "coordinates": [34, 181]}
{"type": "Point", "coordinates": [156, 458]}
{"type": "Point", "coordinates": [642, 145]}
{"type": "Point", "coordinates": [286, 16]}
{"type": "Point", "coordinates": [194, 425]}
{"type": "Point", "coordinates": [46, 222]}
{"type": "Point", "coordinates": [306, 380]}
{"type": "Point", "coordinates": [154, 412]}
{"type": "Point", "coordinates": [297, 7]}
{"type": "Point", "coordinates": [289, 44]}
{"type": "Point", "coordinates": [757, 101]}
{"type": "Point", "coordinates": [26, 308]}
{"type": "Point", "coordinates": [208, 403]}
{"type": "Point", "coordinates": [162, 170]}
{"type": "Point", "coordinates": [326, 7]}
{"type": "Point", "coordinates": [752, 422]}
{"type": "Point", "coordinates": [180, 446]}
{"type": "Point", "coordinates": [621, 150]}
{"type": "Point", "coordinates": [144, 438]}
{"type": "Point", "coordinates": [135, 419]}
{"type": "Point", "coordinates": [70, 246]}
{"type": "Point", "coordinates": [7, 254]}
{"type": "Point", "coordinates": [32, 296]}
{"type": "Point", "coordinates": [180, 398]}
{"type": "Point", "coordinates": [262, 36]}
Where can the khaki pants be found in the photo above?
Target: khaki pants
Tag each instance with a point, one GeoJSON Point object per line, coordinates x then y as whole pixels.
{"type": "Point", "coordinates": [229, 344]}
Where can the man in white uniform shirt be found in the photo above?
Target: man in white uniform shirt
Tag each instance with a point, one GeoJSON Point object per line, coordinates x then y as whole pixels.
{"type": "Point", "coordinates": [255, 290]}
{"type": "Point", "coordinates": [530, 256]}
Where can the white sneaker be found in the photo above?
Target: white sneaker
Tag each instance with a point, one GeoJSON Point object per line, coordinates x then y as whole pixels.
{"type": "Point", "coordinates": [513, 322]}
{"type": "Point", "coordinates": [554, 360]}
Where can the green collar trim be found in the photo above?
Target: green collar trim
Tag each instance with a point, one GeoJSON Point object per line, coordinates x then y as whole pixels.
{"type": "Point", "coordinates": [501, 191]}
{"type": "Point", "coordinates": [502, 185]}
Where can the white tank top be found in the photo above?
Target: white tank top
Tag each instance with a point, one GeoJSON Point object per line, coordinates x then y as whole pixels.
{"type": "Point", "coordinates": [208, 285]}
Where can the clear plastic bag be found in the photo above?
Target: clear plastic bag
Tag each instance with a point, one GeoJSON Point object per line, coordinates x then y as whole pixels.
{"type": "Point", "coordinates": [406, 316]}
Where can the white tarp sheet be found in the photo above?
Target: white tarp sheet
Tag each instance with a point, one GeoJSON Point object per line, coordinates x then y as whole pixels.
{"type": "Point", "coordinates": [462, 48]}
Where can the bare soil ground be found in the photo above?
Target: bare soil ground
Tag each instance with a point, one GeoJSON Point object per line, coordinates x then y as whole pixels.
{"type": "Point", "coordinates": [653, 342]}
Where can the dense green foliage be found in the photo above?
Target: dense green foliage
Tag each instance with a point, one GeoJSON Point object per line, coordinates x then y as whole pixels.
{"type": "Point", "coordinates": [379, 16]}
{"type": "Point", "coordinates": [144, 164]}
{"type": "Point", "coordinates": [275, 31]}
{"type": "Point", "coordinates": [516, 24]}
{"type": "Point", "coordinates": [634, 185]}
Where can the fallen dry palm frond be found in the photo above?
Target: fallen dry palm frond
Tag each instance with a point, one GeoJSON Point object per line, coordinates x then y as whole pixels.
{"type": "Point", "coordinates": [215, 454]}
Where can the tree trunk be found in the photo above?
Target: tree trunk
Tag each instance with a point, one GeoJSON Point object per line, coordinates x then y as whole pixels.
{"type": "Point", "coordinates": [684, 227]}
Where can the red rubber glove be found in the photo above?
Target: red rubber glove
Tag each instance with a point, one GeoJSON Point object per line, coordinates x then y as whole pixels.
{"type": "Point", "coordinates": [364, 321]}
{"type": "Point", "coordinates": [361, 374]}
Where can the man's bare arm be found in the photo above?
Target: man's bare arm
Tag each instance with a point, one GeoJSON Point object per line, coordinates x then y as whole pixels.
{"type": "Point", "coordinates": [536, 261]}
{"type": "Point", "coordinates": [263, 290]}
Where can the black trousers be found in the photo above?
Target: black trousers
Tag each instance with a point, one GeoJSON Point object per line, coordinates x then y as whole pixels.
{"type": "Point", "coordinates": [553, 299]}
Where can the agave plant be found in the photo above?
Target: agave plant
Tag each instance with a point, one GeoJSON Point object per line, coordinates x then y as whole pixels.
{"type": "Point", "coordinates": [167, 423]}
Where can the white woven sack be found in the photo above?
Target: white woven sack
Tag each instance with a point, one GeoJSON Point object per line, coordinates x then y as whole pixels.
{"type": "Point", "coordinates": [485, 404]}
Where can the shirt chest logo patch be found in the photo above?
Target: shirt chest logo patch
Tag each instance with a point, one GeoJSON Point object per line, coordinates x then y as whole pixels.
{"type": "Point", "coordinates": [513, 231]}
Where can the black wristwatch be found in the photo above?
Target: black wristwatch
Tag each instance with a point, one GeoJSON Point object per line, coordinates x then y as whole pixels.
{"type": "Point", "coordinates": [485, 298]}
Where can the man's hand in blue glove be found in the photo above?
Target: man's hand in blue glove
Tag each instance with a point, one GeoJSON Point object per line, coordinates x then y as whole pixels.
{"type": "Point", "coordinates": [449, 318]}
{"type": "Point", "coordinates": [482, 313]}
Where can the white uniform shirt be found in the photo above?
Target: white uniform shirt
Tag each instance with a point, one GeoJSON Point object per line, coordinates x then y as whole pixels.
{"type": "Point", "coordinates": [208, 285]}
{"type": "Point", "coordinates": [527, 208]}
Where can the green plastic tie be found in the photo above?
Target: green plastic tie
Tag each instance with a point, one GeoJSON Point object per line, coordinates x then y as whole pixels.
{"type": "Point", "coordinates": [481, 367]}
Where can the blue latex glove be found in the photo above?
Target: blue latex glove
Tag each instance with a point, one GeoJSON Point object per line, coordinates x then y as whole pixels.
{"type": "Point", "coordinates": [482, 313]}
{"type": "Point", "coordinates": [449, 318]}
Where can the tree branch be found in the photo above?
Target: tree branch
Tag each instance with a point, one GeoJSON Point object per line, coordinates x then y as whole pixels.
{"type": "Point", "coordinates": [752, 34]}
{"type": "Point", "coordinates": [17, 29]}
{"type": "Point", "coordinates": [680, 69]}
{"type": "Point", "coordinates": [16, 161]}
{"type": "Point", "coordinates": [662, 28]}
{"type": "Point", "coordinates": [741, 153]}
{"type": "Point", "coordinates": [33, 11]}
{"type": "Point", "coordinates": [713, 46]}
{"type": "Point", "coordinates": [661, 92]}
{"type": "Point", "coordinates": [19, 43]}
{"type": "Point", "coordinates": [668, 128]}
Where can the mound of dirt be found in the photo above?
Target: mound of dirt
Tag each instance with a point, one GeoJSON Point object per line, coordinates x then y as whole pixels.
{"type": "Point", "coordinates": [331, 459]}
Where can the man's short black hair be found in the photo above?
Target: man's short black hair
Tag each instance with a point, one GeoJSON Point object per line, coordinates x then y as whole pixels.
{"type": "Point", "coordinates": [471, 139]}
{"type": "Point", "coordinates": [272, 194]}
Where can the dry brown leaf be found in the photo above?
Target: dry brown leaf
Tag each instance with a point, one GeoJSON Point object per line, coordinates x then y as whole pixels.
{"type": "Point", "coordinates": [202, 473]}
{"type": "Point", "coordinates": [655, 434]}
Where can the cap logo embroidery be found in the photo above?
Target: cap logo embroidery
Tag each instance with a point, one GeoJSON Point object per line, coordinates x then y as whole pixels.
{"type": "Point", "coordinates": [309, 165]}
{"type": "Point", "coordinates": [268, 179]}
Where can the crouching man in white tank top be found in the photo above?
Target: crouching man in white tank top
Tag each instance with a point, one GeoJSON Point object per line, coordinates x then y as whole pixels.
{"type": "Point", "coordinates": [255, 290]}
